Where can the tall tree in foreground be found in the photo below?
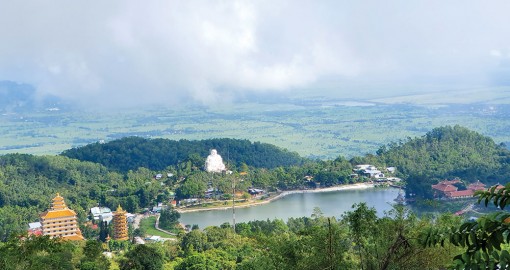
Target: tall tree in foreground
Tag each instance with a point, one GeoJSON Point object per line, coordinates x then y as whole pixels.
{"type": "Point", "coordinates": [391, 242]}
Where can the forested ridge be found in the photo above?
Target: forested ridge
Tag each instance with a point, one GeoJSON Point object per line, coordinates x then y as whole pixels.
{"type": "Point", "coordinates": [156, 154]}
{"type": "Point", "coordinates": [445, 153]}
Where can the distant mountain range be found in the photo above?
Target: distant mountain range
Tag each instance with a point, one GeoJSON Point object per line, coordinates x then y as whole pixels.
{"type": "Point", "coordinates": [19, 97]}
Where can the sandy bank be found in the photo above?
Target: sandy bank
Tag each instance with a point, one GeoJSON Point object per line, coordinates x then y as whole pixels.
{"type": "Point", "coordinates": [281, 195]}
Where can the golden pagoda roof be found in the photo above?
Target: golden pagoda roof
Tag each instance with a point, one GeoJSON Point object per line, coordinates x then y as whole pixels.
{"type": "Point", "coordinates": [58, 213]}
{"type": "Point", "coordinates": [58, 209]}
{"type": "Point", "coordinates": [58, 203]}
{"type": "Point", "coordinates": [120, 211]}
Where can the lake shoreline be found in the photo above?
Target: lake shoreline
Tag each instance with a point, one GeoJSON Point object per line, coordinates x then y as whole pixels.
{"type": "Point", "coordinates": [281, 195]}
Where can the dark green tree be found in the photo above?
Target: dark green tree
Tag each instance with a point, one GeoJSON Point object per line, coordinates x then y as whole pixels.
{"type": "Point", "coordinates": [142, 257]}
{"type": "Point", "coordinates": [169, 218]}
{"type": "Point", "coordinates": [93, 258]}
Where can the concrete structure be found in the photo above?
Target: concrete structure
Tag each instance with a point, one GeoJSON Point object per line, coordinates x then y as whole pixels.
{"type": "Point", "coordinates": [101, 214]}
{"type": "Point", "coordinates": [120, 225]}
{"type": "Point", "coordinates": [60, 221]}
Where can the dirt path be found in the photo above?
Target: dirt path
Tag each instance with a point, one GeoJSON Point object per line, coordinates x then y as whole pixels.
{"type": "Point", "coordinates": [161, 230]}
{"type": "Point", "coordinates": [136, 222]}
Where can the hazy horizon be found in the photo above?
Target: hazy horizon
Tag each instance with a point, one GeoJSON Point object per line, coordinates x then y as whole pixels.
{"type": "Point", "coordinates": [128, 53]}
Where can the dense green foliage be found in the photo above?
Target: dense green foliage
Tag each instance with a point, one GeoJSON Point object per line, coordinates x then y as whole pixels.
{"type": "Point", "coordinates": [86, 184]}
{"type": "Point", "coordinates": [168, 219]}
{"type": "Point", "coordinates": [28, 183]}
{"type": "Point", "coordinates": [303, 243]}
{"type": "Point", "coordinates": [307, 243]}
{"type": "Point", "coordinates": [446, 152]}
{"type": "Point", "coordinates": [156, 154]}
{"type": "Point", "coordinates": [142, 257]}
{"type": "Point", "coordinates": [442, 153]}
{"type": "Point", "coordinates": [36, 253]}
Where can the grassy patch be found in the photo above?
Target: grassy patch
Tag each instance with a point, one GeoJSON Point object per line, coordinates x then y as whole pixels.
{"type": "Point", "coordinates": [148, 225]}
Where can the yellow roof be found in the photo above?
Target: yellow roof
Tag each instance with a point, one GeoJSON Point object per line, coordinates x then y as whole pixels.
{"type": "Point", "coordinates": [58, 213]}
{"type": "Point", "coordinates": [73, 237]}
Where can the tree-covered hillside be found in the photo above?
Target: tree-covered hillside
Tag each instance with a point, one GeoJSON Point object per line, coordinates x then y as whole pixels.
{"type": "Point", "coordinates": [126, 175]}
{"type": "Point", "coordinates": [447, 152]}
{"type": "Point", "coordinates": [156, 154]}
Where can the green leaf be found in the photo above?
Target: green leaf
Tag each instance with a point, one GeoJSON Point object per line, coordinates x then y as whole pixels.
{"type": "Point", "coordinates": [472, 237]}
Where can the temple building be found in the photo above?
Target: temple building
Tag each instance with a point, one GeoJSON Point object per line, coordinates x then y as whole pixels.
{"type": "Point", "coordinates": [446, 189]}
{"type": "Point", "coordinates": [60, 221]}
{"type": "Point", "coordinates": [120, 225]}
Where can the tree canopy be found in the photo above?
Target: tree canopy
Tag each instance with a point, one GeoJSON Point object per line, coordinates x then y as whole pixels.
{"type": "Point", "coordinates": [156, 154]}
{"type": "Point", "coordinates": [446, 152]}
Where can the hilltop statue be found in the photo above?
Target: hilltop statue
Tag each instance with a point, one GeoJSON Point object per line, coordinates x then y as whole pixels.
{"type": "Point", "coordinates": [214, 162]}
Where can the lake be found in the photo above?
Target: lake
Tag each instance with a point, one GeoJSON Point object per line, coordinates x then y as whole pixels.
{"type": "Point", "coordinates": [333, 203]}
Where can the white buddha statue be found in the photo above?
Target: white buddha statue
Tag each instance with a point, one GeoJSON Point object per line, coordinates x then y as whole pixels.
{"type": "Point", "coordinates": [214, 162]}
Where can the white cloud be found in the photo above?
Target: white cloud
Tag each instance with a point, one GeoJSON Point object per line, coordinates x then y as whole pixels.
{"type": "Point", "coordinates": [496, 53]}
{"type": "Point", "coordinates": [132, 52]}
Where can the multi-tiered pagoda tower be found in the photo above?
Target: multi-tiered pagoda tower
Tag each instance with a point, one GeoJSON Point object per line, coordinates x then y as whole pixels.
{"type": "Point", "coordinates": [60, 221]}
{"type": "Point", "coordinates": [120, 227]}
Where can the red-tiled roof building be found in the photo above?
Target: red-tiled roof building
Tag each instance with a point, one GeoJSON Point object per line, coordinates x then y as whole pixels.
{"type": "Point", "coordinates": [443, 187]}
{"type": "Point", "coordinates": [448, 190]}
{"type": "Point", "coordinates": [477, 186]}
{"type": "Point", "coordinates": [460, 194]}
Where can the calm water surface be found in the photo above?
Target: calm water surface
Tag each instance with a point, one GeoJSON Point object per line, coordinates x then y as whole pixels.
{"type": "Point", "coordinates": [333, 203]}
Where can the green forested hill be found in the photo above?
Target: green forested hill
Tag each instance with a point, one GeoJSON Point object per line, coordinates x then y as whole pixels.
{"type": "Point", "coordinates": [127, 167]}
{"type": "Point", "coordinates": [156, 154]}
{"type": "Point", "coordinates": [447, 152]}
{"type": "Point", "coordinates": [28, 183]}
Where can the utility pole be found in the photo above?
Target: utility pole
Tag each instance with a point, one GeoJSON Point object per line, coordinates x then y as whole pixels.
{"type": "Point", "coordinates": [234, 203]}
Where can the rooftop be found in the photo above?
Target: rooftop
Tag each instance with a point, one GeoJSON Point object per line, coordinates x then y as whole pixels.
{"type": "Point", "coordinates": [444, 188]}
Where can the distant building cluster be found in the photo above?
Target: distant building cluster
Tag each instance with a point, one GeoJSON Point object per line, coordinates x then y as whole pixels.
{"type": "Point", "coordinates": [372, 172]}
{"type": "Point", "coordinates": [448, 189]}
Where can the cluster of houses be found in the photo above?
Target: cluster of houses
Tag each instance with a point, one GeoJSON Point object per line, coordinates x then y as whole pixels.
{"type": "Point", "coordinates": [448, 189]}
{"type": "Point", "coordinates": [372, 172]}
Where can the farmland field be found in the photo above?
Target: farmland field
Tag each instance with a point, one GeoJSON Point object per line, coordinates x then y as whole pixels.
{"type": "Point", "coordinates": [313, 127]}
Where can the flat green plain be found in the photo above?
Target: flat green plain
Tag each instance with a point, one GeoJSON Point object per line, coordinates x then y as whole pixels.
{"type": "Point", "coordinates": [313, 127]}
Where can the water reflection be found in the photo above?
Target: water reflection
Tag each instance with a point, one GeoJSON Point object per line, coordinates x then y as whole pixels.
{"type": "Point", "coordinates": [333, 203]}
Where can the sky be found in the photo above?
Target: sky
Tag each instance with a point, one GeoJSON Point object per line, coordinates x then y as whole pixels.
{"type": "Point", "coordinates": [133, 53]}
